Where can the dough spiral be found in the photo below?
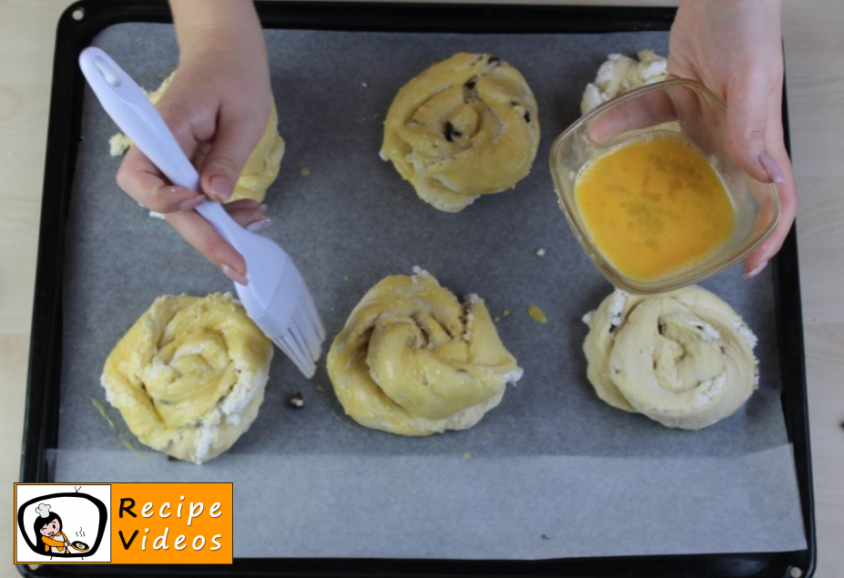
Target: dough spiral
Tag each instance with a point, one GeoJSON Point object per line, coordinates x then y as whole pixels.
{"type": "Point", "coordinates": [467, 126]}
{"type": "Point", "coordinates": [684, 358]}
{"type": "Point", "coordinates": [413, 361]}
{"type": "Point", "coordinates": [189, 376]}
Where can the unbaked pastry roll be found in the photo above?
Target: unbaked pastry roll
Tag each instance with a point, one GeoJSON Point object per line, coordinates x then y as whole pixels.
{"type": "Point", "coordinates": [413, 360]}
{"type": "Point", "coordinates": [467, 126]}
{"type": "Point", "coordinates": [684, 358]}
{"type": "Point", "coordinates": [620, 74]}
{"type": "Point", "coordinates": [261, 168]}
{"type": "Point", "coordinates": [189, 376]}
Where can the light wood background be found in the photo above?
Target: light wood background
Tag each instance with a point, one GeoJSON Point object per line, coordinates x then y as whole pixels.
{"type": "Point", "coordinates": [814, 48]}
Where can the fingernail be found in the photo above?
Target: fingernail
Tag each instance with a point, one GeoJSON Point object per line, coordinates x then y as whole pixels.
{"type": "Point", "coordinates": [192, 203]}
{"type": "Point", "coordinates": [262, 208]}
{"type": "Point", "coordinates": [258, 225]}
{"type": "Point", "coordinates": [234, 275]}
{"type": "Point", "coordinates": [771, 167]}
{"type": "Point", "coordinates": [220, 188]}
{"type": "Point", "coordinates": [756, 271]}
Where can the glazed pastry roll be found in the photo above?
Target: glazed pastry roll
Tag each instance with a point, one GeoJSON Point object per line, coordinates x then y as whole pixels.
{"type": "Point", "coordinates": [467, 126]}
{"type": "Point", "coordinates": [189, 376]}
{"type": "Point", "coordinates": [684, 358]}
{"type": "Point", "coordinates": [413, 360]}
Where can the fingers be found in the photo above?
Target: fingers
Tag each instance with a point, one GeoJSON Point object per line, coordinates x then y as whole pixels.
{"type": "Point", "coordinates": [786, 190]}
{"type": "Point", "coordinates": [144, 183]}
{"type": "Point", "coordinates": [233, 143]}
{"type": "Point", "coordinates": [748, 100]}
{"type": "Point", "coordinates": [756, 262]}
{"type": "Point", "coordinates": [242, 204]}
{"type": "Point", "coordinates": [142, 180]}
{"type": "Point", "coordinates": [649, 110]}
{"type": "Point", "coordinates": [204, 238]}
{"type": "Point", "coordinates": [251, 217]}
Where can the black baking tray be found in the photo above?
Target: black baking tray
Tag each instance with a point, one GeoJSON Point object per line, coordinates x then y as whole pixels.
{"type": "Point", "coordinates": [82, 21]}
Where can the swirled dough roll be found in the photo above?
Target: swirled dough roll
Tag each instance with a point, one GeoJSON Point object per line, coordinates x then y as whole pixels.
{"type": "Point", "coordinates": [684, 358]}
{"type": "Point", "coordinates": [189, 376]}
{"type": "Point", "coordinates": [467, 126]}
{"type": "Point", "coordinates": [261, 167]}
{"type": "Point", "coordinates": [620, 74]}
{"type": "Point", "coordinates": [413, 360]}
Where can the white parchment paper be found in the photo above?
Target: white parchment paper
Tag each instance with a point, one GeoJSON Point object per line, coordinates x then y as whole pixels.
{"type": "Point", "coordinates": [552, 460]}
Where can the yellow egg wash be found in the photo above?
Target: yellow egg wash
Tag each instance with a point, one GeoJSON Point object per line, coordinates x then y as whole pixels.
{"type": "Point", "coordinates": [537, 314]}
{"type": "Point", "coordinates": [654, 206]}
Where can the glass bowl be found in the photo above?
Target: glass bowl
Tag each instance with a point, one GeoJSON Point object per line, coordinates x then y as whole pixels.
{"type": "Point", "coordinates": [690, 109]}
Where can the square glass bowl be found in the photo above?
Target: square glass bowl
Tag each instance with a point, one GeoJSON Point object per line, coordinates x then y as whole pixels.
{"type": "Point", "coordinates": [690, 109]}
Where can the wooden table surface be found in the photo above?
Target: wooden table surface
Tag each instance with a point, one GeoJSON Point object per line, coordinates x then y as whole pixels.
{"type": "Point", "coordinates": [815, 69]}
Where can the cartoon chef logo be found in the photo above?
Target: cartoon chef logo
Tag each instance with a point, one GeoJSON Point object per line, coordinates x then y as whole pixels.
{"type": "Point", "coordinates": [49, 525]}
{"type": "Point", "coordinates": [62, 526]}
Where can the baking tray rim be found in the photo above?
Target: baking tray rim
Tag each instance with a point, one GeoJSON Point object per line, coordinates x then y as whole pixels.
{"type": "Point", "coordinates": [43, 380]}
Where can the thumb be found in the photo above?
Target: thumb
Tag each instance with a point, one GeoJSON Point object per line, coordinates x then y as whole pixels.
{"type": "Point", "coordinates": [233, 143]}
{"type": "Point", "coordinates": [747, 117]}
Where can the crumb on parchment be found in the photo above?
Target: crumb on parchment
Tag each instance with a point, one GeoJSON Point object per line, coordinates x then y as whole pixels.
{"type": "Point", "coordinates": [296, 400]}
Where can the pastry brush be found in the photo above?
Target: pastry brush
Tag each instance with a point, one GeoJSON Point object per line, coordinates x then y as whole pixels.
{"type": "Point", "coordinates": [276, 297]}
